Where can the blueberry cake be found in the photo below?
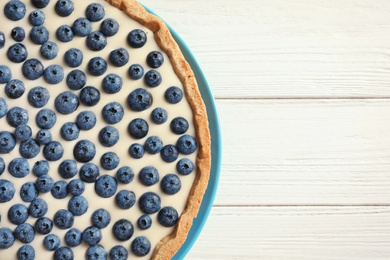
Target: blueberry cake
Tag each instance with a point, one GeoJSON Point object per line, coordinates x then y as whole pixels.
{"type": "Point", "coordinates": [104, 139]}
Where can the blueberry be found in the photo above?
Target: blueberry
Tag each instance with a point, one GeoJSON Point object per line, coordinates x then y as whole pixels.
{"type": "Point", "coordinates": [144, 222]}
{"type": "Point", "coordinates": [82, 27]}
{"type": "Point", "coordinates": [73, 57]}
{"type": "Point", "coordinates": [123, 230]}
{"type": "Point", "coordinates": [94, 12]}
{"type": "Point", "coordinates": [18, 34]}
{"type": "Point", "coordinates": [38, 97]}
{"type": "Point", "coordinates": [138, 128]}
{"type": "Point", "coordinates": [53, 74]}
{"type": "Point", "coordinates": [76, 187]}
{"type": "Point", "coordinates": [125, 175]}
{"type": "Point", "coordinates": [46, 118]}
{"type": "Point", "coordinates": [97, 66]}
{"type": "Point", "coordinates": [184, 166]}
{"type": "Point", "coordinates": [109, 27]}
{"type": "Point", "coordinates": [26, 252]}
{"type": "Point", "coordinates": [2, 40]}
{"type": "Point", "coordinates": [112, 83]}
{"type": "Point", "coordinates": [43, 225]}
{"type": "Point", "coordinates": [125, 199]}
{"type": "Point", "coordinates": [18, 214]}
{"type": "Point", "coordinates": [63, 219]}
{"type": "Point", "coordinates": [149, 203]}
{"type": "Point", "coordinates": [173, 95]}
{"type": "Point", "coordinates": [5, 74]}
{"type": "Point", "coordinates": [63, 253]}
{"type": "Point", "coordinates": [170, 184]}
{"type": "Point", "coordinates": [15, 10]}
{"type": "Point", "coordinates": [64, 7]}
{"type": "Point", "coordinates": [101, 218]}
{"type": "Point", "coordinates": [7, 238]}
{"type": "Point", "coordinates": [68, 169]}
{"type": "Point", "coordinates": [112, 112]}
{"type": "Point", "coordinates": [3, 107]}
{"type": "Point", "coordinates": [139, 100]}
{"type": "Point", "coordinates": [136, 151]}
{"type": "Point", "coordinates": [44, 136]}
{"type": "Point", "coordinates": [59, 190]}
{"type": "Point", "coordinates": [89, 172]}
{"type": "Point", "coordinates": [32, 69]}
{"type": "Point", "coordinates": [109, 161]}
{"type": "Point", "coordinates": [76, 79]}
{"type": "Point", "coordinates": [179, 125]}
{"type": "Point", "coordinates": [119, 57]}
{"type": "Point", "coordinates": [25, 233]}
{"type": "Point", "coordinates": [49, 50]}
{"type": "Point", "coordinates": [119, 253]}
{"type": "Point", "coordinates": [39, 34]}
{"type": "Point", "coordinates": [84, 151]}
{"type": "Point", "coordinates": [7, 142]}
{"type": "Point", "coordinates": [19, 167]}
{"type": "Point", "coordinates": [148, 175]}
{"type": "Point", "coordinates": [86, 120]}
{"type": "Point", "coordinates": [41, 168]}
{"type": "Point", "coordinates": [2, 166]}
{"type": "Point", "coordinates": [17, 53]}
{"type": "Point", "coordinates": [73, 237]}
{"type": "Point", "coordinates": [140, 246]}
{"type": "Point", "coordinates": [168, 216]}
{"type": "Point", "coordinates": [96, 252]}
{"type": "Point", "coordinates": [28, 192]}
{"type": "Point", "coordinates": [69, 131]}
{"type": "Point", "coordinates": [53, 151]}
{"type": "Point", "coordinates": [152, 78]}
{"type": "Point", "coordinates": [169, 153]}
{"type": "Point", "coordinates": [44, 183]}
{"type": "Point", "coordinates": [186, 144]}
{"type": "Point", "coordinates": [16, 116]}
{"type": "Point", "coordinates": [36, 17]}
{"type": "Point", "coordinates": [137, 38]}
{"type": "Point", "coordinates": [96, 41]}
{"type": "Point", "coordinates": [155, 59]}
{"type": "Point", "coordinates": [40, 3]}
{"type": "Point", "coordinates": [105, 186]}
{"type": "Point", "coordinates": [7, 191]}
{"type": "Point", "coordinates": [66, 102]}
{"type": "Point", "coordinates": [90, 96]}
{"type": "Point", "coordinates": [92, 235]}
{"type": "Point", "coordinates": [14, 88]}
{"type": "Point", "coordinates": [108, 136]}
{"type": "Point", "coordinates": [29, 149]}
{"type": "Point", "coordinates": [38, 208]}
{"type": "Point", "coordinates": [51, 242]}
{"type": "Point", "coordinates": [78, 205]}
{"type": "Point", "coordinates": [136, 71]}
{"type": "Point", "coordinates": [153, 145]}
{"type": "Point", "coordinates": [64, 33]}
{"type": "Point", "coordinates": [23, 133]}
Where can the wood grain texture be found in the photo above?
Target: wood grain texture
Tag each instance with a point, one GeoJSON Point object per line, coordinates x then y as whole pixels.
{"type": "Point", "coordinates": [307, 233]}
{"type": "Point", "coordinates": [305, 152]}
{"type": "Point", "coordinates": [303, 94]}
{"type": "Point", "coordinates": [287, 49]}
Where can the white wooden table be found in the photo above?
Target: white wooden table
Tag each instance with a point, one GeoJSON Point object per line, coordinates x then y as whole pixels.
{"type": "Point", "coordinates": [303, 93]}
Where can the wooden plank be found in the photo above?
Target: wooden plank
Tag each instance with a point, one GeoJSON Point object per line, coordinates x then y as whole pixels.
{"type": "Point", "coordinates": [295, 233]}
{"type": "Point", "coordinates": [286, 49]}
{"type": "Point", "coordinates": [305, 152]}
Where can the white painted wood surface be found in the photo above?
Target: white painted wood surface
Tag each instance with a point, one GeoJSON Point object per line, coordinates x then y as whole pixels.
{"type": "Point", "coordinates": [303, 92]}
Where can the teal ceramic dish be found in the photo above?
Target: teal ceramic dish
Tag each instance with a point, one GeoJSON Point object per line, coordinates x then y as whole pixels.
{"type": "Point", "coordinates": [216, 147]}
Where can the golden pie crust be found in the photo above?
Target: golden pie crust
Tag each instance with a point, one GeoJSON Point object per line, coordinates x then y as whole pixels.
{"type": "Point", "coordinates": [170, 244]}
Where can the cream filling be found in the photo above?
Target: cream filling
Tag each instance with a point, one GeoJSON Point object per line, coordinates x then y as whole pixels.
{"type": "Point", "coordinates": [53, 21]}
